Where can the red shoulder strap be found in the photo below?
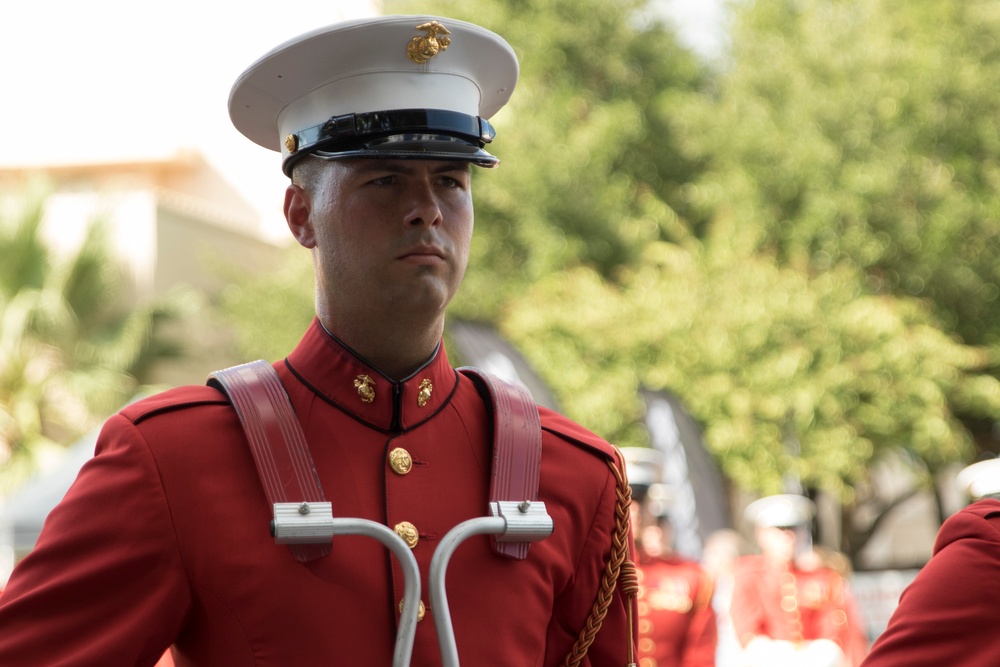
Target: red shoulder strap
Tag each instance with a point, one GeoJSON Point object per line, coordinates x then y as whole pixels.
{"type": "Point", "coordinates": [517, 446]}
{"type": "Point", "coordinates": [285, 466]}
{"type": "Point", "coordinates": [280, 452]}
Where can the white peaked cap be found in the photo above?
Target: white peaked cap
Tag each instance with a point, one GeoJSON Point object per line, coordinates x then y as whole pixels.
{"type": "Point", "coordinates": [644, 469]}
{"type": "Point", "coordinates": [643, 465]}
{"type": "Point", "coordinates": [980, 479]}
{"type": "Point", "coordinates": [339, 91]}
{"type": "Point", "coordinates": [781, 511]}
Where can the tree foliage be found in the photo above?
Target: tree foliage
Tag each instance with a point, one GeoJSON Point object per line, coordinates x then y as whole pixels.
{"type": "Point", "coordinates": [70, 351]}
{"type": "Point", "coordinates": [790, 374]}
{"type": "Point", "coordinates": [269, 312]}
{"type": "Point", "coordinates": [863, 133]}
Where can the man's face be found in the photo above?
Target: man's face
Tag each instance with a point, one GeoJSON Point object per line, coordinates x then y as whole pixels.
{"type": "Point", "coordinates": [777, 544]}
{"type": "Point", "coordinates": [391, 237]}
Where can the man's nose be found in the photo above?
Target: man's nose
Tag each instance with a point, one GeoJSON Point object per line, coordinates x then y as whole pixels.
{"type": "Point", "coordinates": [424, 210]}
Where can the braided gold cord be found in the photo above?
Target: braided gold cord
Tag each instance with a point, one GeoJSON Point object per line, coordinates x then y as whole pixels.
{"type": "Point", "coordinates": [618, 562]}
{"type": "Point", "coordinates": [628, 581]}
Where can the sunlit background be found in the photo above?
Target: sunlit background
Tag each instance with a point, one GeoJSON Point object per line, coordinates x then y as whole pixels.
{"type": "Point", "coordinates": [121, 81]}
{"type": "Point", "coordinates": [116, 81]}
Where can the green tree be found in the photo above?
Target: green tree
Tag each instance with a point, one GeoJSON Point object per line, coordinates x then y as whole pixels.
{"type": "Point", "coordinates": [69, 352]}
{"type": "Point", "coordinates": [790, 374]}
{"type": "Point", "coordinates": [864, 133]}
{"type": "Point", "coordinates": [868, 144]}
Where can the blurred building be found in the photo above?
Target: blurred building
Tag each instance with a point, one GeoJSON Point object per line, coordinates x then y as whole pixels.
{"type": "Point", "coordinates": [173, 220]}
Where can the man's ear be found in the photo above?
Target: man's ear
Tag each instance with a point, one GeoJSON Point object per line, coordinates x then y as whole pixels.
{"type": "Point", "coordinates": [298, 209]}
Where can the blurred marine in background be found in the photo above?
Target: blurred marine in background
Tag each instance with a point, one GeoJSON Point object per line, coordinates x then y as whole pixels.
{"type": "Point", "coordinates": [790, 609]}
{"type": "Point", "coordinates": [947, 615]}
{"type": "Point", "coordinates": [677, 624]}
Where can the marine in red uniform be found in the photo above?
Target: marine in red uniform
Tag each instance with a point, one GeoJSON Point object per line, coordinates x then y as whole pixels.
{"type": "Point", "coordinates": [677, 623]}
{"type": "Point", "coordinates": [164, 537]}
{"type": "Point", "coordinates": [945, 616]}
{"type": "Point", "coordinates": [786, 613]}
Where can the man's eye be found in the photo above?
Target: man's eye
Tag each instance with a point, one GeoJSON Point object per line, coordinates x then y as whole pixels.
{"type": "Point", "coordinates": [452, 182]}
{"type": "Point", "coordinates": [383, 180]}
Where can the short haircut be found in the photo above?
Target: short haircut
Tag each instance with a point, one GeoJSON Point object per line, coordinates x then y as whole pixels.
{"type": "Point", "coordinates": [306, 172]}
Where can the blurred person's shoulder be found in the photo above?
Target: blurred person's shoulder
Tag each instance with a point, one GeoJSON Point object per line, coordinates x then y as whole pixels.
{"type": "Point", "coordinates": [978, 521]}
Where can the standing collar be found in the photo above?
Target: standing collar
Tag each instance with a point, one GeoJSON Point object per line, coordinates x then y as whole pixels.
{"type": "Point", "coordinates": [341, 377]}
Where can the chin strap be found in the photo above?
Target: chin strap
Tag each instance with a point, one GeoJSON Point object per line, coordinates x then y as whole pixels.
{"type": "Point", "coordinates": [619, 571]}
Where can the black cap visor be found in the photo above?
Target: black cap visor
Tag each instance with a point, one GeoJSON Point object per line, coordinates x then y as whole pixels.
{"type": "Point", "coordinates": [415, 147]}
{"type": "Point", "coordinates": [416, 134]}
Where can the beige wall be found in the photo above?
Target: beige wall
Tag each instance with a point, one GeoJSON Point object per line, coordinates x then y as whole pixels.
{"type": "Point", "coordinates": [174, 223]}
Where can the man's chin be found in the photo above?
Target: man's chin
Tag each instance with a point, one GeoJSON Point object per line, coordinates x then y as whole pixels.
{"type": "Point", "coordinates": [425, 295]}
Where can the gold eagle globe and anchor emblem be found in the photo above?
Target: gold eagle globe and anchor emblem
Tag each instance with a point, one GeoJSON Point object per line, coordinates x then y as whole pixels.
{"type": "Point", "coordinates": [424, 393]}
{"type": "Point", "coordinates": [366, 388]}
{"type": "Point", "coordinates": [423, 48]}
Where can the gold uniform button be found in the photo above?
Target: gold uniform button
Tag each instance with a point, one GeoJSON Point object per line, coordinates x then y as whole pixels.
{"type": "Point", "coordinates": [400, 461]}
{"type": "Point", "coordinates": [408, 532]}
{"type": "Point", "coordinates": [421, 610]}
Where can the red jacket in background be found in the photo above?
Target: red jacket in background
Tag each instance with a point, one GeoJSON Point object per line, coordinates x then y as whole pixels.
{"type": "Point", "coordinates": [947, 615]}
{"type": "Point", "coordinates": [677, 625]}
{"type": "Point", "coordinates": [795, 605]}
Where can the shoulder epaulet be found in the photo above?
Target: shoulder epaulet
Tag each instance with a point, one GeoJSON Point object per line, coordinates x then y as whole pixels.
{"type": "Point", "coordinates": [553, 422]}
{"type": "Point", "coordinates": [172, 399]}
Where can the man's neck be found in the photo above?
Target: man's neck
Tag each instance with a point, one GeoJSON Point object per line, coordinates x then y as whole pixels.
{"type": "Point", "coordinates": [397, 350]}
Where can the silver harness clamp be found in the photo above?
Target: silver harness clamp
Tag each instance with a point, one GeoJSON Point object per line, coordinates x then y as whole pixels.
{"type": "Point", "coordinates": [524, 521]}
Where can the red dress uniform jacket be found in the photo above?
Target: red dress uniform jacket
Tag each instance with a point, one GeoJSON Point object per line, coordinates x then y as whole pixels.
{"type": "Point", "coordinates": [947, 615]}
{"type": "Point", "coordinates": [164, 537]}
{"type": "Point", "coordinates": [677, 626]}
{"type": "Point", "coordinates": [795, 605]}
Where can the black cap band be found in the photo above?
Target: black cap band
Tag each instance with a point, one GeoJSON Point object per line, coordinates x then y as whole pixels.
{"type": "Point", "coordinates": [415, 133]}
